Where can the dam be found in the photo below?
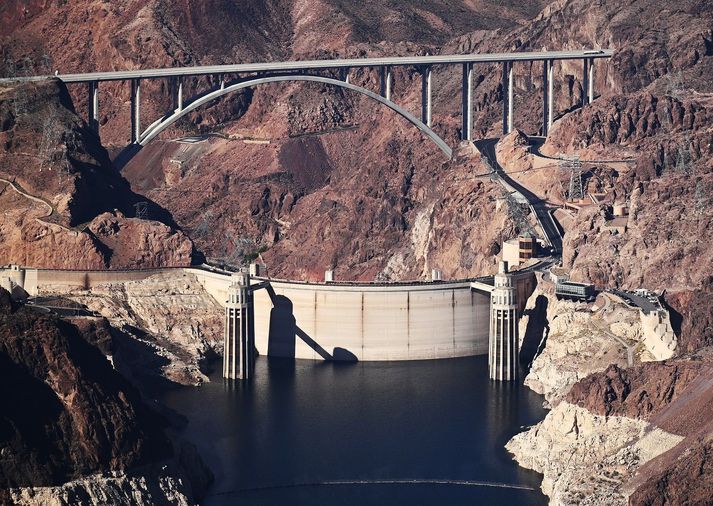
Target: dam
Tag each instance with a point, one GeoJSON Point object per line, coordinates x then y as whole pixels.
{"type": "Point", "coordinates": [347, 321]}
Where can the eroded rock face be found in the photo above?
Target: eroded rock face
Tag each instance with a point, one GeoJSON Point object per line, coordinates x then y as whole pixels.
{"type": "Point", "coordinates": [73, 429]}
{"type": "Point", "coordinates": [636, 392]}
{"type": "Point", "coordinates": [52, 383]}
{"type": "Point", "coordinates": [624, 433]}
{"type": "Point", "coordinates": [165, 326]}
{"type": "Point", "coordinates": [686, 481]}
{"type": "Point", "coordinates": [64, 204]}
{"type": "Point", "coordinates": [568, 341]}
{"type": "Point", "coordinates": [649, 128]}
{"type": "Point", "coordinates": [585, 458]}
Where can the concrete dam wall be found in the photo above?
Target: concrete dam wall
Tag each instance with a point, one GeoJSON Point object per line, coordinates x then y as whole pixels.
{"type": "Point", "coordinates": [372, 322]}
{"type": "Point", "coordinates": [365, 321]}
{"type": "Point", "coordinates": [441, 320]}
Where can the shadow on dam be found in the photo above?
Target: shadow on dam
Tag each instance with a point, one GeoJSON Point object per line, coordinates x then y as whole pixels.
{"type": "Point", "coordinates": [284, 331]}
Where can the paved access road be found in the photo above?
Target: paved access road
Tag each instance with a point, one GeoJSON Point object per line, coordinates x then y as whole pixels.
{"type": "Point", "coordinates": [541, 208]}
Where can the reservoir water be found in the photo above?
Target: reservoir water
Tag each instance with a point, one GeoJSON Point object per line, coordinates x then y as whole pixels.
{"type": "Point", "coordinates": [305, 432]}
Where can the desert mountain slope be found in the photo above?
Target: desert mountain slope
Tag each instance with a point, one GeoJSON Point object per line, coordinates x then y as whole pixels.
{"type": "Point", "coordinates": [63, 203]}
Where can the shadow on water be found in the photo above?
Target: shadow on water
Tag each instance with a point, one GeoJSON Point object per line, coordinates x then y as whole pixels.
{"type": "Point", "coordinates": [284, 331]}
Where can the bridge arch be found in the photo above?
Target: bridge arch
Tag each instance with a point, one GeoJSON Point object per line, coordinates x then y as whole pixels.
{"type": "Point", "coordinates": [163, 123]}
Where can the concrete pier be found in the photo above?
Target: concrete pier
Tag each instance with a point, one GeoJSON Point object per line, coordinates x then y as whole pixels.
{"type": "Point", "coordinates": [466, 132]}
{"type": "Point", "coordinates": [385, 74]}
{"type": "Point", "coordinates": [426, 96]}
{"type": "Point", "coordinates": [503, 343]}
{"type": "Point", "coordinates": [93, 106]}
{"type": "Point", "coordinates": [179, 94]}
{"type": "Point", "coordinates": [511, 96]}
{"type": "Point", "coordinates": [388, 83]}
{"type": "Point", "coordinates": [135, 110]}
{"type": "Point", "coordinates": [507, 87]}
{"type": "Point", "coordinates": [550, 93]}
{"type": "Point", "coordinates": [590, 80]}
{"type": "Point", "coordinates": [545, 96]}
{"type": "Point", "coordinates": [585, 81]}
{"type": "Point", "coordinates": [239, 347]}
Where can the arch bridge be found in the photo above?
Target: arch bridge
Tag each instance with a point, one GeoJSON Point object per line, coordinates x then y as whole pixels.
{"type": "Point", "coordinates": [246, 75]}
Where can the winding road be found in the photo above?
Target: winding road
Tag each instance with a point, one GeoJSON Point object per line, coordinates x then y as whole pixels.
{"type": "Point", "coordinates": [543, 212]}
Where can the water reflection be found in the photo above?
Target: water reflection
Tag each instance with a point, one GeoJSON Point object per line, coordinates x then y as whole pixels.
{"type": "Point", "coordinates": [307, 432]}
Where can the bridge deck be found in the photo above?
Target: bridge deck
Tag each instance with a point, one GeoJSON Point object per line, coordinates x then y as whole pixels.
{"type": "Point", "coordinates": [297, 66]}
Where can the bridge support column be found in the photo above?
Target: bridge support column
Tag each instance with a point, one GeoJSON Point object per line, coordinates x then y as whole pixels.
{"type": "Point", "coordinates": [135, 110]}
{"type": "Point", "coordinates": [467, 128]}
{"type": "Point", "coordinates": [426, 96]}
{"type": "Point", "coordinates": [179, 94]}
{"type": "Point", "coordinates": [93, 106]}
{"type": "Point", "coordinates": [344, 74]}
{"type": "Point", "coordinates": [585, 81]}
{"type": "Point", "coordinates": [386, 82]}
{"type": "Point", "coordinates": [503, 343]}
{"type": "Point", "coordinates": [590, 80]}
{"type": "Point", "coordinates": [550, 94]}
{"type": "Point", "coordinates": [507, 79]}
{"type": "Point", "coordinates": [511, 96]}
{"type": "Point", "coordinates": [546, 96]}
{"type": "Point", "coordinates": [239, 347]}
{"type": "Point", "coordinates": [222, 82]}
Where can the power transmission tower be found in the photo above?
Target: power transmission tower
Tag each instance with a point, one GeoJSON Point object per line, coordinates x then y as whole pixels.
{"type": "Point", "coordinates": [700, 199]}
{"type": "Point", "coordinates": [574, 166]}
{"type": "Point", "coordinates": [142, 210]}
{"type": "Point", "coordinates": [518, 213]}
{"type": "Point", "coordinates": [204, 225]}
{"type": "Point", "coordinates": [674, 90]}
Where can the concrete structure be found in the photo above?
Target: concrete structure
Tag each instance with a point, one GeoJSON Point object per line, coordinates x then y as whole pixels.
{"type": "Point", "coordinates": [503, 343]}
{"type": "Point", "coordinates": [256, 269]}
{"type": "Point", "coordinates": [575, 291]}
{"type": "Point", "coordinates": [558, 275]}
{"type": "Point", "coordinates": [239, 345]}
{"type": "Point", "coordinates": [42, 281]}
{"type": "Point", "coordinates": [371, 322]}
{"type": "Point", "coordinates": [658, 336]}
{"type": "Point", "coordinates": [511, 252]}
{"type": "Point", "coordinates": [253, 74]}
{"type": "Point", "coordinates": [621, 209]}
{"type": "Point", "coordinates": [325, 321]}
{"type": "Point", "coordinates": [12, 279]}
{"type": "Point", "coordinates": [519, 250]}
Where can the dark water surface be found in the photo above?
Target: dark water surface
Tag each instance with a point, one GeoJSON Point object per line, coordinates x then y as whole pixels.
{"type": "Point", "coordinates": [304, 432]}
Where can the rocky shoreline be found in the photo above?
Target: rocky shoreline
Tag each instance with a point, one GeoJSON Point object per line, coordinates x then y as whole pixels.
{"type": "Point", "coordinates": [59, 448]}
{"type": "Point", "coordinates": [616, 434]}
